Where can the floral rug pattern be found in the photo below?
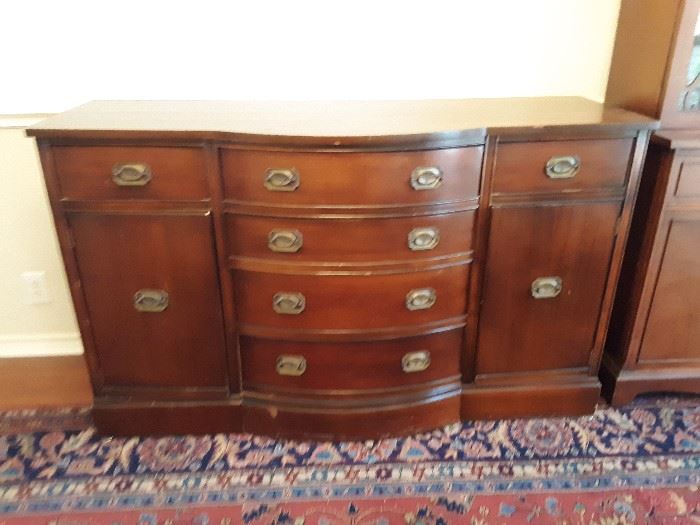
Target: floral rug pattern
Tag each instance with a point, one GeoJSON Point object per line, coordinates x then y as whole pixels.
{"type": "Point", "coordinates": [637, 464]}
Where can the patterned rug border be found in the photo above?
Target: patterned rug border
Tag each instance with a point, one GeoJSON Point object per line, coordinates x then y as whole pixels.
{"type": "Point", "coordinates": [148, 486]}
{"type": "Point", "coordinates": [165, 500]}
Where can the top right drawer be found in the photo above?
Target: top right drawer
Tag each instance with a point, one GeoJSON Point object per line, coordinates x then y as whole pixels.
{"type": "Point", "coordinates": [561, 166]}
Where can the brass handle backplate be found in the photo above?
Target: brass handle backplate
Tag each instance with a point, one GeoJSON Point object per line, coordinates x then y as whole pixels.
{"type": "Point", "coordinates": [415, 361]}
{"type": "Point", "coordinates": [421, 298]}
{"type": "Point", "coordinates": [423, 239]}
{"type": "Point", "coordinates": [289, 303]}
{"type": "Point", "coordinates": [282, 179]}
{"type": "Point", "coordinates": [290, 365]}
{"type": "Point", "coordinates": [426, 178]}
{"type": "Point", "coordinates": [136, 174]}
{"type": "Point", "coordinates": [285, 241]}
{"type": "Point", "coordinates": [546, 287]}
{"type": "Point", "coordinates": [562, 167]}
{"type": "Point", "coordinates": [147, 300]}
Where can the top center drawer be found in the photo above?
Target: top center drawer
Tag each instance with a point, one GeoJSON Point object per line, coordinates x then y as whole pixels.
{"type": "Point", "coordinates": [287, 178]}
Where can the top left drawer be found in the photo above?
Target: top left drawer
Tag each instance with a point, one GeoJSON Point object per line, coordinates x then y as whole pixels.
{"type": "Point", "coordinates": [138, 172]}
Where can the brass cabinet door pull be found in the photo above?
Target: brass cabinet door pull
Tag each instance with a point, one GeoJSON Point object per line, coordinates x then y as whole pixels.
{"type": "Point", "coordinates": [426, 178]}
{"type": "Point", "coordinates": [136, 174]}
{"type": "Point", "coordinates": [546, 287]}
{"type": "Point", "coordinates": [562, 167]}
{"type": "Point", "coordinates": [289, 303]}
{"type": "Point", "coordinates": [423, 239]}
{"type": "Point", "coordinates": [415, 361]}
{"type": "Point", "coordinates": [290, 365]}
{"type": "Point", "coordinates": [285, 241]}
{"type": "Point", "coordinates": [282, 179]}
{"type": "Point", "coordinates": [421, 298]}
{"type": "Point", "coordinates": [147, 300]}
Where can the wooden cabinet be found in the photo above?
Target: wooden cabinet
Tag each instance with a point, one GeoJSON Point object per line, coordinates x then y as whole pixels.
{"type": "Point", "coordinates": [672, 332]}
{"type": "Point", "coordinates": [383, 274]}
{"type": "Point", "coordinates": [544, 284]}
{"type": "Point", "coordinates": [154, 325]}
{"type": "Point", "coordinates": [654, 341]}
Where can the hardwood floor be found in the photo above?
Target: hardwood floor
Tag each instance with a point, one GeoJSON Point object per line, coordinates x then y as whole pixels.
{"type": "Point", "coordinates": [35, 382]}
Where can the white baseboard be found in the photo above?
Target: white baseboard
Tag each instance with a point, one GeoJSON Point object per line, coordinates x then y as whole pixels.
{"type": "Point", "coordinates": [39, 345]}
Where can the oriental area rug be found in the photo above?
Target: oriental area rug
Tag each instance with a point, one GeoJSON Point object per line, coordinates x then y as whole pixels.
{"type": "Point", "coordinates": [635, 465]}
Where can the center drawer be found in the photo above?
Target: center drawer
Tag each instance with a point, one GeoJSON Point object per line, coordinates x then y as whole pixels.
{"type": "Point", "coordinates": [354, 366]}
{"type": "Point", "coordinates": [368, 240]}
{"type": "Point", "coordinates": [287, 178]}
{"type": "Point", "coordinates": [333, 302]}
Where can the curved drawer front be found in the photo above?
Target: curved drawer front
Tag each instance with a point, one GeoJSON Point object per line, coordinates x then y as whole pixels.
{"type": "Point", "coordinates": [371, 422]}
{"type": "Point", "coordinates": [353, 302]}
{"type": "Point", "coordinates": [131, 172]}
{"type": "Point", "coordinates": [357, 366]}
{"type": "Point", "coordinates": [364, 179]}
{"type": "Point", "coordinates": [561, 166]}
{"type": "Point", "coordinates": [367, 240]}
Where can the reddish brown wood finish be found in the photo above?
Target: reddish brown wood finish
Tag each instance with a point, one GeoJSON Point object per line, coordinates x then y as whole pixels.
{"type": "Point", "coordinates": [673, 327]}
{"type": "Point", "coordinates": [545, 399]}
{"type": "Point", "coordinates": [368, 422]}
{"type": "Point", "coordinates": [653, 49]}
{"type": "Point", "coordinates": [350, 240]}
{"type": "Point", "coordinates": [199, 418]}
{"type": "Point", "coordinates": [519, 333]}
{"type": "Point", "coordinates": [655, 339]}
{"type": "Point", "coordinates": [182, 346]}
{"type": "Point", "coordinates": [380, 124]}
{"type": "Point", "coordinates": [160, 418]}
{"type": "Point", "coordinates": [350, 302]}
{"type": "Point", "coordinates": [359, 179]}
{"type": "Point", "coordinates": [688, 181]}
{"type": "Point", "coordinates": [341, 368]}
{"type": "Point", "coordinates": [86, 173]}
{"type": "Point", "coordinates": [521, 166]}
{"type": "Point", "coordinates": [202, 233]}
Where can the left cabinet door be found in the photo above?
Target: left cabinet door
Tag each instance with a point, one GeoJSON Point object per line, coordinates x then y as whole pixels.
{"type": "Point", "coordinates": [151, 286]}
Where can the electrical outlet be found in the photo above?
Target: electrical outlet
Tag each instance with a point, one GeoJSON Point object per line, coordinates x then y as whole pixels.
{"type": "Point", "coordinates": [35, 289]}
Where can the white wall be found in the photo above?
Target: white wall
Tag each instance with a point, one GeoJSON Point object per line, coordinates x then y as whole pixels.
{"type": "Point", "coordinates": [58, 54]}
{"type": "Point", "coordinates": [28, 243]}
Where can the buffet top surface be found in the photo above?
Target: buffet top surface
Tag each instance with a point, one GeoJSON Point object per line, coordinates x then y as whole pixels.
{"type": "Point", "coordinates": [337, 123]}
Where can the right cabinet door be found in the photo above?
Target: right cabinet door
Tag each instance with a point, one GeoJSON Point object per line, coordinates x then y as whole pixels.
{"type": "Point", "coordinates": [544, 282]}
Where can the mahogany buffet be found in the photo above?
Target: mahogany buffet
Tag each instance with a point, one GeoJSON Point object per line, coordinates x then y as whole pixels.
{"type": "Point", "coordinates": [341, 270]}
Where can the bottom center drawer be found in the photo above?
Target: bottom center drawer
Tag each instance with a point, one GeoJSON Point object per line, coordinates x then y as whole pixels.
{"type": "Point", "coordinates": [287, 365]}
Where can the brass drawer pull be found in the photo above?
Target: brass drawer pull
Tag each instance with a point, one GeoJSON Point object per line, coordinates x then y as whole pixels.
{"type": "Point", "coordinates": [290, 365]}
{"type": "Point", "coordinates": [415, 361]}
{"type": "Point", "coordinates": [423, 239]}
{"type": "Point", "coordinates": [289, 303]}
{"type": "Point", "coordinates": [131, 174]}
{"type": "Point", "coordinates": [421, 298]}
{"type": "Point", "coordinates": [285, 241]}
{"type": "Point", "coordinates": [562, 167]}
{"type": "Point", "coordinates": [426, 178]}
{"type": "Point", "coordinates": [147, 300]}
{"type": "Point", "coordinates": [282, 179]}
{"type": "Point", "coordinates": [546, 287]}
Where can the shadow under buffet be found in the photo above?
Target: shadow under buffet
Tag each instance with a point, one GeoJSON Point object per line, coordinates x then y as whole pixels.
{"type": "Point", "coordinates": [341, 270]}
